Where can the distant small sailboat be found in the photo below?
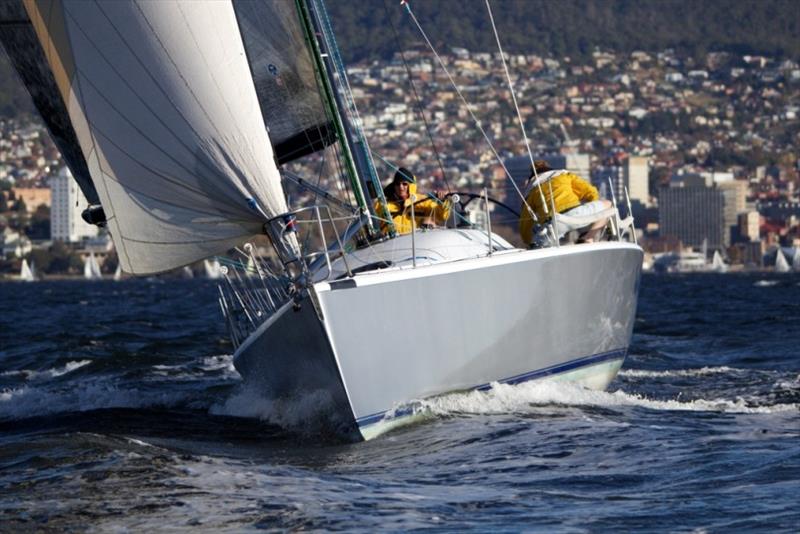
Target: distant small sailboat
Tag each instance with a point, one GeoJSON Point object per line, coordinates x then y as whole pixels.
{"type": "Point", "coordinates": [26, 272]}
{"type": "Point", "coordinates": [796, 260]}
{"type": "Point", "coordinates": [118, 273]}
{"type": "Point", "coordinates": [211, 269]}
{"type": "Point", "coordinates": [781, 264]}
{"type": "Point", "coordinates": [91, 269]}
{"type": "Point", "coordinates": [187, 272]}
{"type": "Point", "coordinates": [717, 263]}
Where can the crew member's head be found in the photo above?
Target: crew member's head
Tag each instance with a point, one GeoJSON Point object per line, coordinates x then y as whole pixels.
{"type": "Point", "coordinates": [540, 166]}
{"type": "Point", "coordinates": [401, 184]}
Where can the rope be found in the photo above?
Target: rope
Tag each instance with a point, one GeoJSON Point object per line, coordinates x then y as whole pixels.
{"type": "Point", "coordinates": [464, 100]}
{"type": "Point", "coordinates": [416, 97]}
{"type": "Point", "coordinates": [519, 115]}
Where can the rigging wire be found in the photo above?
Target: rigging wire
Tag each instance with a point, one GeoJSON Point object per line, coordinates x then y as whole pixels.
{"type": "Point", "coordinates": [407, 5]}
{"type": "Point", "coordinates": [416, 97]}
{"type": "Point", "coordinates": [516, 107]}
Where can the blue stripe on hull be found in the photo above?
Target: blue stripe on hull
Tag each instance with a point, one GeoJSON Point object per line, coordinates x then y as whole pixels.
{"type": "Point", "coordinates": [586, 361]}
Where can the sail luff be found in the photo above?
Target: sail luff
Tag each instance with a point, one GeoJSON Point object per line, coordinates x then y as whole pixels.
{"type": "Point", "coordinates": [165, 109]}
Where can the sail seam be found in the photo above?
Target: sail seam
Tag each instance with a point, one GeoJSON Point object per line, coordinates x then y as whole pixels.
{"type": "Point", "coordinates": [210, 180]}
{"type": "Point", "coordinates": [165, 177]}
{"type": "Point", "coordinates": [84, 111]}
{"type": "Point", "coordinates": [158, 148]}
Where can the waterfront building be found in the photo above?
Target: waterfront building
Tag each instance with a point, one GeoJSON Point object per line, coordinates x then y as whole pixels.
{"type": "Point", "coordinates": [693, 212]}
{"type": "Point", "coordinates": [68, 202]}
{"type": "Point", "coordinates": [637, 178]}
{"type": "Point", "coordinates": [749, 226]}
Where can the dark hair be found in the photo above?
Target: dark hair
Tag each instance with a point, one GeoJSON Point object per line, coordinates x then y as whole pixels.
{"type": "Point", "coordinates": [404, 175]}
{"type": "Point", "coordinates": [539, 166]}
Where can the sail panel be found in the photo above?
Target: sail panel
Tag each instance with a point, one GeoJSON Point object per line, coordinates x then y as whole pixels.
{"type": "Point", "coordinates": [27, 58]}
{"type": "Point", "coordinates": [165, 110]}
{"type": "Point", "coordinates": [284, 77]}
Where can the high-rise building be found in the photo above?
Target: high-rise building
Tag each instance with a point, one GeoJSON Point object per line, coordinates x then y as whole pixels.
{"type": "Point", "coordinates": [67, 204]}
{"type": "Point", "coordinates": [749, 225]}
{"type": "Point", "coordinates": [637, 178]}
{"type": "Point", "coordinates": [692, 213]}
{"type": "Point", "coordinates": [735, 192]}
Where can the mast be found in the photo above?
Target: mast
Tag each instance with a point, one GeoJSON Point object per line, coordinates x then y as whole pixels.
{"type": "Point", "coordinates": [339, 100]}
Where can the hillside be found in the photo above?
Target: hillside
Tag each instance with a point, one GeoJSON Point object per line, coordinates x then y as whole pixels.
{"type": "Point", "coordinates": [572, 28]}
{"type": "Point", "coordinates": [378, 28]}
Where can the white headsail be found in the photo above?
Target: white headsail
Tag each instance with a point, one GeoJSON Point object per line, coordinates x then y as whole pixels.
{"type": "Point", "coordinates": [163, 103]}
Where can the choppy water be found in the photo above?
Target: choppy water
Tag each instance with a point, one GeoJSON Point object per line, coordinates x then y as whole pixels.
{"type": "Point", "coordinates": [120, 409]}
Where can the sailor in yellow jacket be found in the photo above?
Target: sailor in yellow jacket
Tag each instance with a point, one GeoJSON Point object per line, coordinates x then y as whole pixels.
{"type": "Point", "coordinates": [571, 194]}
{"type": "Point", "coordinates": [399, 195]}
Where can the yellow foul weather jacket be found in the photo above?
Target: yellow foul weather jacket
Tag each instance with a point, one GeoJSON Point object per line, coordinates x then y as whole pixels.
{"type": "Point", "coordinates": [424, 208]}
{"type": "Point", "coordinates": [569, 191]}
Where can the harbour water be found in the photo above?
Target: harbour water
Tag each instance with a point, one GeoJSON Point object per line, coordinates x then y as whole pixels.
{"type": "Point", "coordinates": [120, 409]}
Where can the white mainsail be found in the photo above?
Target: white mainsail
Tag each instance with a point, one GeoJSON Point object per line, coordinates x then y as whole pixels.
{"type": "Point", "coordinates": [796, 259]}
{"type": "Point", "coordinates": [165, 110]}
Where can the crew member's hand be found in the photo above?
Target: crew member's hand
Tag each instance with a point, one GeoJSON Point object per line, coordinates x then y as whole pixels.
{"type": "Point", "coordinates": [441, 195]}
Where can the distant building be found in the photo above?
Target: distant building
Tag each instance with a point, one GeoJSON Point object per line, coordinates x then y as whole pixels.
{"type": "Point", "coordinates": [735, 192]}
{"type": "Point", "coordinates": [33, 197]}
{"type": "Point", "coordinates": [13, 244]}
{"type": "Point", "coordinates": [693, 213]}
{"type": "Point", "coordinates": [637, 179]}
{"type": "Point", "coordinates": [68, 202]}
{"type": "Point", "coordinates": [749, 226]}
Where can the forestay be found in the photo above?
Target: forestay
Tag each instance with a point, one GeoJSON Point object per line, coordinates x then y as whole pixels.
{"type": "Point", "coordinates": [164, 106]}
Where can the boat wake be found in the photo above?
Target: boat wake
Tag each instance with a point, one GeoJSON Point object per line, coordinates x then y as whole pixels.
{"type": "Point", "coordinates": [529, 397]}
{"type": "Point", "coordinates": [702, 371]}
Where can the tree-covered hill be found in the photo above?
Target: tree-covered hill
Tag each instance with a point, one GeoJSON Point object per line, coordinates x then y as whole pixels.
{"type": "Point", "coordinates": [366, 29]}
{"type": "Point", "coordinates": [372, 29]}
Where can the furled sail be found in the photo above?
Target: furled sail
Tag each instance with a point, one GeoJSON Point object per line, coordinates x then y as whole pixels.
{"type": "Point", "coordinates": [284, 77]}
{"type": "Point", "coordinates": [22, 47]}
{"type": "Point", "coordinates": [163, 103]}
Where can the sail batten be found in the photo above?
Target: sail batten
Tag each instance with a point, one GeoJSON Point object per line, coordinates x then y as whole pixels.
{"type": "Point", "coordinates": [162, 100]}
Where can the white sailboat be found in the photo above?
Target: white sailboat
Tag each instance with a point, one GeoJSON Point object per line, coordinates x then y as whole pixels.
{"type": "Point", "coordinates": [171, 101]}
{"type": "Point", "coordinates": [118, 273]}
{"type": "Point", "coordinates": [781, 264]}
{"type": "Point", "coordinates": [796, 259]}
{"type": "Point", "coordinates": [26, 272]}
{"type": "Point", "coordinates": [718, 264]}
{"type": "Point", "coordinates": [91, 269]}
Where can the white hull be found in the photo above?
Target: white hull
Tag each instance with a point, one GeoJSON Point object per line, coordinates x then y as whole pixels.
{"type": "Point", "coordinates": [385, 338]}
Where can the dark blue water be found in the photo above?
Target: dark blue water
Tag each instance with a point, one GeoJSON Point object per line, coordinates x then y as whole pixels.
{"type": "Point", "coordinates": [120, 409]}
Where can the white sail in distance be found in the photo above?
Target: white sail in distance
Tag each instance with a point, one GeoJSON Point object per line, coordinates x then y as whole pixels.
{"type": "Point", "coordinates": [26, 272]}
{"type": "Point", "coordinates": [162, 101]}
{"type": "Point", "coordinates": [781, 264]}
